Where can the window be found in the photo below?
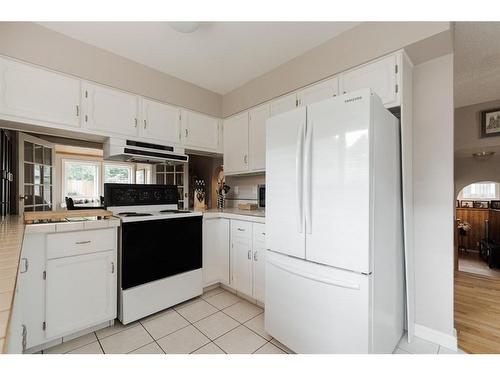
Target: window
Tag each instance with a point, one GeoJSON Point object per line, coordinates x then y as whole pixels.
{"type": "Point", "coordinates": [481, 190]}
{"type": "Point", "coordinates": [81, 179]}
{"type": "Point", "coordinates": [121, 174]}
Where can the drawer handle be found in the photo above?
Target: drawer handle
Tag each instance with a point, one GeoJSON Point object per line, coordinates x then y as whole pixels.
{"type": "Point", "coordinates": [26, 264]}
{"type": "Point", "coordinates": [241, 230]}
{"type": "Point", "coordinates": [255, 256]}
{"type": "Point", "coordinates": [82, 242]}
{"type": "Point", "coordinates": [112, 267]}
{"type": "Point", "coordinates": [249, 255]}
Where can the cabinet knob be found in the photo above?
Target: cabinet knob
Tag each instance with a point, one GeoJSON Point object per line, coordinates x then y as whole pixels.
{"type": "Point", "coordinates": [245, 159]}
{"type": "Point", "coordinates": [186, 132]}
{"type": "Point", "coordinates": [145, 124]}
{"type": "Point", "coordinates": [249, 255]}
{"type": "Point", "coordinates": [255, 256]}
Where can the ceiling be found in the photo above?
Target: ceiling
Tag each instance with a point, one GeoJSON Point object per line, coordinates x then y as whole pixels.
{"type": "Point", "coordinates": [477, 62]}
{"type": "Point", "coordinates": [219, 56]}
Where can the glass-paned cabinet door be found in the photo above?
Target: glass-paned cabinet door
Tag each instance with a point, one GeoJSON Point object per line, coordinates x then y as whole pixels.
{"type": "Point", "coordinates": [177, 174]}
{"type": "Point", "coordinates": [36, 191]}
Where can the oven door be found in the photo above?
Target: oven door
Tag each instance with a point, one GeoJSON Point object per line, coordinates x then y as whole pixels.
{"type": "Point", "coordinates": [154, 249]}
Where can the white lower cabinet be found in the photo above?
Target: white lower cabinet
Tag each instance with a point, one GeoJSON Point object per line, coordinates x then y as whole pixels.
{"type": "Point", "coordinates": [241, 256]}
{"type": "Point", "coordinates": [61, 293]}
{"type": "Point", "coordinates": [80, 292]}
{"type": "Point", "coordinates": [259, 261]}
{"type": "Point", "coordinates": [248, 258]}
{"type": "Point", "coordinates": [215, 251]}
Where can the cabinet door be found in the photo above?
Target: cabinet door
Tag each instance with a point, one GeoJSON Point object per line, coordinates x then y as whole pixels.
{"type": "Point", "coordinates": [160, 122]}
{"type": "Point", "coordinates": [199, 131]}
{"type": "Point", "coordinates": [215, 251]}
{"type": "Point", "coordinates": [236, 144]}
{"type": "Point", "coordinates": [320, 91]}
{"type": "Point", "coordinates": [380, 76]}
{"type": "Point", "coordinates": [80, 292]}
{"type": "Point", "coordinates": [38, 95]}
{"type": "Point", "coordinates": [259, 261]}
{"type": "Point", "coordinates": [257, 137]}
{"type": "Point", "coordinates": [29, 298]}
{"type": "Point", "coordinates": [109, 110]}
{"type": "Point", "coordinates": [283, 104]}
{"type": "Point", "coordinates": [241, 255]}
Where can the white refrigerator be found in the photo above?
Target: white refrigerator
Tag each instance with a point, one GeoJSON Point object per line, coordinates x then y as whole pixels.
{"type": "Point", "coordinates": [334, 259]}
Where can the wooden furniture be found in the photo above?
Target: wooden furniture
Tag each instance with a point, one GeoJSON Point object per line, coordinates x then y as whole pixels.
{"type": "Point", "coordinates": [30, 217]}
{"type": "Point", "coordinates": [476, 217]}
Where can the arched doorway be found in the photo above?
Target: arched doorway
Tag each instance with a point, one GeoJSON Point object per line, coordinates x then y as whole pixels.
{"type": "Point", "coordinates": [478, 228]}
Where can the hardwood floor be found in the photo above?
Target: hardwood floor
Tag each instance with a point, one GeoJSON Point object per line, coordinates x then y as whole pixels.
{"type": "Point", "coordinates": [477, 313]}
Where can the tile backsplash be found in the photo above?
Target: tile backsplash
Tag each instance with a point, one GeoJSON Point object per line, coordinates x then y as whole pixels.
{"type": "Point", "coordinates": [243, 188]}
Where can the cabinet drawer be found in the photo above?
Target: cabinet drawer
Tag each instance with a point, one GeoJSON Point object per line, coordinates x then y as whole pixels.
{"type": "Point", "coordinates": [241, 229]}
{"type": "Point", "coordinates": [81, 242]}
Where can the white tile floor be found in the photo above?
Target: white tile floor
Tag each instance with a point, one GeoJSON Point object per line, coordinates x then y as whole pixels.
{"type": "Point", "coordinates": [218, 322]}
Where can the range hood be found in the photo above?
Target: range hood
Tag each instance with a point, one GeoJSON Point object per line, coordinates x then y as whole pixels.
{"type": "Point", "coordinates": [142, 152]}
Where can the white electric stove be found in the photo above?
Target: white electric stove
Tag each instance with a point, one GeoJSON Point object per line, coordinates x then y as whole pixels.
{"type": "Point", "coordinates": [160, 252]}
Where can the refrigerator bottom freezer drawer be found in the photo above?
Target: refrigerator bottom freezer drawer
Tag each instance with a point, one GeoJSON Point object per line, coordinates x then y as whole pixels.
{"type": "Point", "coordinates": [312, 308]}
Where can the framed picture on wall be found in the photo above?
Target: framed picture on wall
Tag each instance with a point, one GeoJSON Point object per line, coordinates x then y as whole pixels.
{"type": "Point", "coordinates": [467, 204]}
{"type": "Point", "coordinates": [481, 204]}
{"type": "Point", "coordinates": [495, 205]}
{"type": "Point", "coordinates": [490, 123]}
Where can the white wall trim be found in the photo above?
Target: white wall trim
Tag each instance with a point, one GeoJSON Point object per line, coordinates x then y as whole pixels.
{"type": "Point", "coordinates": [443, 339]}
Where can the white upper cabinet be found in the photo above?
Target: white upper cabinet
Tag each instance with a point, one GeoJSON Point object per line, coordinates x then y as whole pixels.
{"type": "Point", "coordinates": [284, 104]}
{"type": "Point", "coordinates": [236, 144]}
{"type": "Point", "coordinates": [257, 137]}
{"type": "Point", "coordinates": [199, 131]}
{"type": "Point", "coordinates": [38, 95]}
{"type": "Point", "coordinates": [320, 91]}
{"type": "Point", "coordinates": [381, 76]}
{"type": "Point", "coordinates": [109, 110]}
{"type": "Point", "coordinates": [160, 121]}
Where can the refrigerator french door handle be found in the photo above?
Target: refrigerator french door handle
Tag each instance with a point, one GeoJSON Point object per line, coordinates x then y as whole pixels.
{"type": "Point", "coordinates": [299, 177]}
{"type": "Point", "coordinates": [307, 179]}
{"type": "Point", "coordinates": [313, 277]}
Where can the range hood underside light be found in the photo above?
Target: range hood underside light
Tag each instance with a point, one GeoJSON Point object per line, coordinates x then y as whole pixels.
{"type": "Point", "coordinates": [483, 155]}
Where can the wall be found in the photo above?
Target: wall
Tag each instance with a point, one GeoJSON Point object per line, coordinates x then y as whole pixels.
{"type": "Point", "coordinates": [36, 44]}
{"type": "Point", "coordinates": [468, 127]}
{"type": "Point", "coordinates": [247, 189]}
{"type": "Point", "coordinates": [353, 47]}
{"type": "Point", "coordinates": [469, 170]}
{"type": "Point", "coordinates": [433, 195]}
{"type": "Point", "coordinates": [467, 141]}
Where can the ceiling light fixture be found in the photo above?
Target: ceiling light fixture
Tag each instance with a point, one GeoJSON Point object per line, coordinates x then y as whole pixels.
{"type": "Point", "coordinates": [483, 155]}
{"type": "Point", "coordinates": [184, 27]}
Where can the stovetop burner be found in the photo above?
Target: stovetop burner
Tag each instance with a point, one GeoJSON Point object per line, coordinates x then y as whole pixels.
{"type": "Point", "coordinates": [174, 211]}
{"type": "Point", "coordinates": [130, 214]}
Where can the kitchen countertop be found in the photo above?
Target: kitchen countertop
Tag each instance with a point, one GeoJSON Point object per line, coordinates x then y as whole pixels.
{"type": "Point", "coordinates": [11, 241]}
{"type": "Point", "coordinates": [258, 216]}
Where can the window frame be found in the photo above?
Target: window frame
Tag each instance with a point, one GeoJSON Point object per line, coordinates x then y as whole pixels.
{"type": "Point", "coordinates": [130, 166]}
{"type": "Point", "coordinates": [95, 163]}
{"type": "Point", "coordinates": [483, 198]}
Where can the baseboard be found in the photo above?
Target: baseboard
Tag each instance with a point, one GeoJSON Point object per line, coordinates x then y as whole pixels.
{"type": "Point", "coordinates": [443, 339]}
